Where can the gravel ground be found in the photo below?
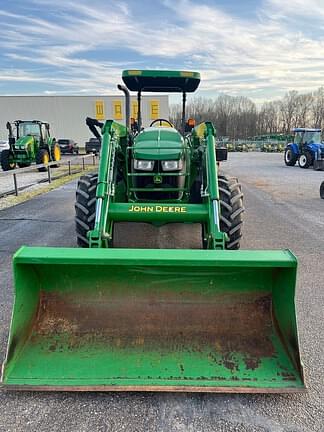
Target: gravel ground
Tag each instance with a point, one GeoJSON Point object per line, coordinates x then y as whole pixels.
{"type": "Point", "coordinates": [283, 210]}
{"type": "Point", "coordinates": [31, 176]}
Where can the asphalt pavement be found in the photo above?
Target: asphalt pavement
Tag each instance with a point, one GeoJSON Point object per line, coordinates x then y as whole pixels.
{"type": "Point", "coordinates": [283, 210]}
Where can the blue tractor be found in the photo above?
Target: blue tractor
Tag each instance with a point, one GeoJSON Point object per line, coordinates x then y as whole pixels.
{"type": "Point", "coordinates": [307, 149]}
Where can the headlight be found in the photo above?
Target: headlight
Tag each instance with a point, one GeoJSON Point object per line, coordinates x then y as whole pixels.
{"type": "Point", "coordinates": [143, 165]}
{"type": "Point", "coordinates": [172, 165]}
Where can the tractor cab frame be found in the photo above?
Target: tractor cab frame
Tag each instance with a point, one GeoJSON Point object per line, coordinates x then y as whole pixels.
{"type": "Point", "coordinates": [34, 128]}
{"type": "Point", "coordinates": [163, 82]}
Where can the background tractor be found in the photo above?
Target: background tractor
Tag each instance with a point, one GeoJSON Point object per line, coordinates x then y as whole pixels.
{"type": "Point", "coordinates": [29, 142]}
{"type": "Point", "coordinates": [105, 318]}
{"type": "Point", "coordinates": [307, 149]}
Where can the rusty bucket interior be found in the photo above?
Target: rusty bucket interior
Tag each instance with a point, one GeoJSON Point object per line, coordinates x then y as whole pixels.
{"type": "Point", "coordinates": [180, 320]}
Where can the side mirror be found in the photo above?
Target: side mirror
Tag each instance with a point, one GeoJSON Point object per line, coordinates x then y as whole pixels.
{"type": "Point", "coordinates": [221, 154]}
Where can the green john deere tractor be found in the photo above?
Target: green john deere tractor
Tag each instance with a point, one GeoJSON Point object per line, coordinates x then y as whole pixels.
{"type": "Point", "coordinates": [29, 142]}
{"type": "Point", "coordinates": [102, 318]}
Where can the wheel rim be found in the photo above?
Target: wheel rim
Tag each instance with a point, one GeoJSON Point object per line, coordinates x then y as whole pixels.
{"type": "Point", "coordinates": [45, 159]}
{"type": "Point", "coordinates": [288, 155]}
{"type": "Point", "coordinates": [302, 160]}
{"type": "Point", "coordinates": [57, 153]}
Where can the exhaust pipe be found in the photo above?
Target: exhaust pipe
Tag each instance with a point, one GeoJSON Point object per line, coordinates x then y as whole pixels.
{"type": "Point", "coordinates": [127, 103]}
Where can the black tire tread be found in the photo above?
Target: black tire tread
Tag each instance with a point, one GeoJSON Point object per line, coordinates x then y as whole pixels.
{"type": "Point", "coordinates": [309, 159]}
{"type": "Point", "coordinates": [322, 190]}
{"type": "Point", "coordinates": [55, 144]}
{"type": "Point", "coordinates": [39, 159]}
{"type": "Point", "coordinates": [231, 207]}
{"type": "Point", "coordinates": [85, 207]}
{"type": "Point", "coordinates": [293, 161]}
{"type": "Point", "coordinates": [5, 165]}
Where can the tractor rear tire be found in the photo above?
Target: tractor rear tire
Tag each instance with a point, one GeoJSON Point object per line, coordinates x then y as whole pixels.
{"type": "Point", "coordinates": [231, 210]}
{"type": "Point", "coordinates": [322, 190]}
{"type": "Point", "coordinates": [42, 157]}
{"type": "Point", "coordinates": [85, 207]}
{"type": "Point", "coordinates": [7, 160]}
{"type": "Point", "coordinates": [290, 157]}
{"type": "Point", "coordinates": [305, 160]}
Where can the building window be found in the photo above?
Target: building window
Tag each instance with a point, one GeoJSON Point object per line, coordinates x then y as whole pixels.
{"type": "Point", "coordinates": [100, 110]}
{"type": "Point", "coordinates": [134, 109]}
{"type": "Point", "coordinates": [155, 109]}
{"type": "Point", "coordinates": [117, 110]}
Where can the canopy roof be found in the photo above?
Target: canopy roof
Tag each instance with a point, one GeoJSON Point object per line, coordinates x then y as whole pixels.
{"type": "Point", "coordinates": [161, 81]}
{"type": "Point", "coordinates": [30, 121]}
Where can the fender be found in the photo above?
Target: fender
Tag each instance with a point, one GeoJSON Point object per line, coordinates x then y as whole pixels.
{"type": "Point", "coordinates": [294, 148]}
{"type": "Point", "coordinates": [51, 141]}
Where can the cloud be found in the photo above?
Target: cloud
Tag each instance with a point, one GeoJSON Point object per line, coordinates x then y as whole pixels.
{"type": "Point", "coordinates": [295, 8]}
{"type": "Point", "coordinates": [78, 47]}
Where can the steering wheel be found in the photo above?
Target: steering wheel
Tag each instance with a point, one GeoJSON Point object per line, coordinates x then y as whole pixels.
{"type": "Point", "coordinates": [161, 120]}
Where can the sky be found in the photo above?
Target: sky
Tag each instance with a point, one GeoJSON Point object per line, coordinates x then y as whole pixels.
{"type": "Point", "coordinates": [255, 48]}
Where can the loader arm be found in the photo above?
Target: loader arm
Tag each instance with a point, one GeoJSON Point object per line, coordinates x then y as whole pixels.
{"type": "Point", "coordinates": [92, 124]}
{"type": "Point", "coordinates": [101, 235]}
{"type": "Point", "coordinates": [215, 236]}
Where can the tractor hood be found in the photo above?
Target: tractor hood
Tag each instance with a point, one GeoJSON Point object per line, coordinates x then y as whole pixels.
{"type": "Point", "coordinates": [158, 144]}
{"type": "Point", "coordinates": [24, 141]}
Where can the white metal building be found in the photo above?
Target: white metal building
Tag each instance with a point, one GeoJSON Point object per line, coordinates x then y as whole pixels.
{"type": "Point", "coordinates": [66, 114]}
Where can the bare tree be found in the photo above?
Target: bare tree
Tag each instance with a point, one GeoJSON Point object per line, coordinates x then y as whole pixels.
{"type": "Point", "coordinates": [268, 118]}
{"type": "Point", "coordinates": [238, 117]}
{"type": "Point", "coordinates": [288, 110]}
{"type": "Point", "coordinates": [317, 108]}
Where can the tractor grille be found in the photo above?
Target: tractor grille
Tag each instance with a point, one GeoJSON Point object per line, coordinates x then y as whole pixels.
{"type": "Point", "coordinates": [148, 183]}
{"type": "Point", "coordinates": [21, 154]}
{"type": "Point", "coordinates": [155, 190]}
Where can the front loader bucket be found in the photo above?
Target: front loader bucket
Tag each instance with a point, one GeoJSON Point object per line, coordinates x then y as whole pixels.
{"type": "Point", "coordinates": [158, 320]}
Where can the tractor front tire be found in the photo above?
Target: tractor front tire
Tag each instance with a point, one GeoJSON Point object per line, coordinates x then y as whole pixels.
{"type": "Point", "coordinates": [305, 160]}
{"type": "Point", "coordinates": [23, 164]}
{"type": "Point", "coordinates": [55, 154]}
{"type": "Point", "coordinates": [85, 207]}
{"type": "Point", "coordinates": [7, 160]}
{"type": "Point", "coordinates": [322, 190]}
{"type": "Point", "coordinates": [231, 212]}
{"type": "Point", "coordinates": [290, 157]}
{"type": "Point", "coordinates": [42, 157]}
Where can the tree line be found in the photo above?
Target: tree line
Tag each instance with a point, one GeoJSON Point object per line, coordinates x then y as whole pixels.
{"type": "Point", "coordinates": [239, 117]}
